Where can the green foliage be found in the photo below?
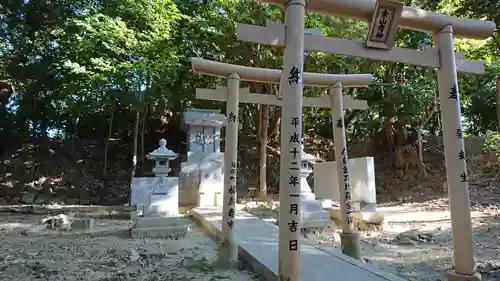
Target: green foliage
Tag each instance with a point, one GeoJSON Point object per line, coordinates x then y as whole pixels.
{"type": "Point", "coordinates": [73, 63]}
{"type": "Point", "coordinates": [492, 153]}
{"type": "Point", "coordinates": [493, 142]}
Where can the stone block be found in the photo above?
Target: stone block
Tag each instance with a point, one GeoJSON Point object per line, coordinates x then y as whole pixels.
{"type": "Point", "coordinates": [165, 198]}
{"type": "Point", "coordinates": [156, 196]}
{"type": "Point", "coordinates": [189, 181]}
{"type": "Point", "coordinates": [84, 202]}
{"type": "Point", "coordinates": [202, 183]}
{"type": "Point", "coordinates": [155, 227]}
{"type": "Point", "coordinates": [168, 232]}
{"type": "Point", "coordinates": [141, 222]}
{"type": "Point", "coordinates": [15, 200]}
{"type": "Point", "coordinates": [28, 197]}
{"type": "Point", "coordinates": [313, 216]}
{"type": "Point", "coordinates": [83, 224]}
{"type": "Point", "coordinates": [362, 220]}
{"type": "Point", "coordinates": [361, 179]}
{"type": "Point", "coordinates": [41, 199]}
{"type": "Point", "coordinates": [140, 190]}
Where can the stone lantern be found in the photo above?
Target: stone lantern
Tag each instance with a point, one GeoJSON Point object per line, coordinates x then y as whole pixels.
{"type": "Point", "coordinates": [157, 201]}
{"type": "Point", "coordinates": [161, 156]}
{"type": "Point", "coordinates": [305, 171]}
{"type": "Point", "coordinates": [312, 214]}
{"type": "Point", "coordinates": [165, 190]}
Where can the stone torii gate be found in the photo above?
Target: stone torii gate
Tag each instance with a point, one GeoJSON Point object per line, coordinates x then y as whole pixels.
{"type": "Point", "coordinates": [443, 57]}
{"type": "Point", "coordinates": [227, 250]}
{"type": "Point", "coordinates": [337, 102]}
{"type": "Point", "coordinates": [220, 94]}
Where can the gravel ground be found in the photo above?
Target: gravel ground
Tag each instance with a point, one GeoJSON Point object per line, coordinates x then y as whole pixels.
{"type": "Point", "coordinates": [60, 255]}
{"type": "Point", "coordinates": [415, 242]}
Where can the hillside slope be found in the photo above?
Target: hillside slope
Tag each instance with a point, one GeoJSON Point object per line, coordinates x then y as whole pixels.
{"type": "Point", "coordinates": [54, 171]}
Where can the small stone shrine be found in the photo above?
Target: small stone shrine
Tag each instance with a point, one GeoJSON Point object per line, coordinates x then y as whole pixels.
{"type": "Point", "coordinates": [202, 176]}
{"type": "Point", "coordinates": [361, 180]}
{"type": "Point", "coordinates": [312, 214]}
{"type": "Point", "coordinates": [362, 184]}
{"type": "Point", "coordinates": [157, 203]}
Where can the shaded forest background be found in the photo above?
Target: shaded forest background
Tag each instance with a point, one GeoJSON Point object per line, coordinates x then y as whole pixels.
{"type": "Point", "coordinates": [88, 87]}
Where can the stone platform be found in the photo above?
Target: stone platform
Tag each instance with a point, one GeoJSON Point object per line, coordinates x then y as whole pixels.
{"type": "Point", "coordinates": [258, 245]}
{"type": "Point", "coordinates": [159, 227]}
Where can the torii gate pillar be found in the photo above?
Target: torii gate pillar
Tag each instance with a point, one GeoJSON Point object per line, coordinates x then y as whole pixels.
{"type": "Point", "coordinates": [454, 152]}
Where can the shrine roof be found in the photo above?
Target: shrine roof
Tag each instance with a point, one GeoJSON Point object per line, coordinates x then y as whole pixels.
{"type": "Point", "coordinates": [204, 117]}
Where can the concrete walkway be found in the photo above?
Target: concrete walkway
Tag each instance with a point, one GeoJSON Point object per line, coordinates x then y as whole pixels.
{"type": "Point", "coordinates": [258, 245]}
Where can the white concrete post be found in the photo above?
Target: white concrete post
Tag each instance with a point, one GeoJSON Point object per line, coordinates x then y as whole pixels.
{"type": "Point", "coordinates": [349, 237]}
{"type": "Point", "coordinates": [291, 143]}
{"type": "Point", "coordinates": [456, 170]}
{"type": "Point", "coordinates": [227, 253]}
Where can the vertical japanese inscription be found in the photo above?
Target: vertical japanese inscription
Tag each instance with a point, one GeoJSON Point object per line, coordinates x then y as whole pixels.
{"type": "Point", "coordinates": [294, 76]}
{"type": "Point", "coordinates": [461, 155]}
{"type": "Point", "coordinates": [347, 188]}
{"type": "Point", "coordinates": [231, 117]}
{"type": "Point", "coordinates": [293, 225]}
{"type": "Point", "coordinates": [294, 180]}
{"type": "Point", "coordinates": [294, 167]}
{"type": "Point", "coordinates": [463, 177]}
{"type": "Point", "coordinates": [232, 194]}
{"type": "Point", "coordinates": [382, 22]}
{"type": "Point", "coordinates": [339, 123]}
{"type": "Point", "coordinates": [295, 138]}
{"type": "Point", "coordinates": [453, 93]}
{"type": "Point", "coordinates": [294, 152]}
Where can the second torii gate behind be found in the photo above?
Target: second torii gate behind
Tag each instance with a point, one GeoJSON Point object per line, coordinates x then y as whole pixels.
{"type": "Point", "coordinates": [220, 94]}
{"type": "Point", "coordinates": [291, 198]}
{"type": "Point", "coordinates": [337, 103]}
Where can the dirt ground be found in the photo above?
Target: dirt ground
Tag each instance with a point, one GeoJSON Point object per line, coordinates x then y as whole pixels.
{"type": "Point", "coordinates": [56, 255]}
{"type": "Point", "coordinates": [415, 241]}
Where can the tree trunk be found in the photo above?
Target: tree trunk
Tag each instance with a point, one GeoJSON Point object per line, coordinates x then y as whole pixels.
{"type": "Point", "coordinates": [421, 126]}
{"type": "Point", "coordinates": [264, 123]}
{"type": "Point", "coordinates": [143, 129]}
{"type": "Point", "coordinates": [134, 148]}
{"type": "Point", "coordinates": [273, 128]}
{"type": "Point", "coordinates": [419, 144]}
{"type": "Point", "coordinates": [258, 121]}
{"type": "Point", "coordinates": [75, 134]}
{"type": "Point", "coordinates": [106, 147]}
{"type": "Point", "coordinates": [498, 102]}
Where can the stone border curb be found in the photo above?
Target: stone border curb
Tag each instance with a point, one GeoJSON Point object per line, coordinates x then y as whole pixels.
{"type": "Point", "coordinates": [97, 211]}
